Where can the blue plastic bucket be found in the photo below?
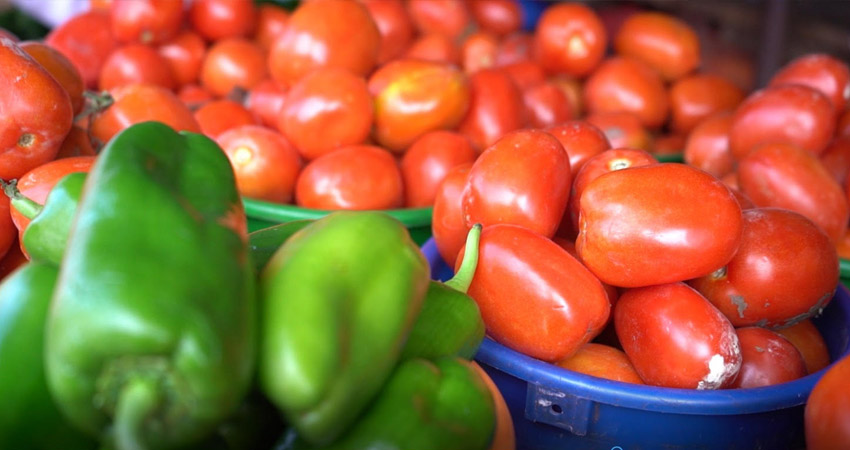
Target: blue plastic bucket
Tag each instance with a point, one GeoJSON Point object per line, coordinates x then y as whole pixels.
{"type": "Point", "coordinates": [553, 408]}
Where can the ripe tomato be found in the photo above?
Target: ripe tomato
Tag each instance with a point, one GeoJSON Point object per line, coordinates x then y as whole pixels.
{"type": "Point", "coordinates": [433, 47]}
{"type": "Point", "coordinates": [515, 47]}
{"type": "Point", "coordinates": [13, 258]}
{"type": "Point", "coordinates": [222, 19]}
{"type": "Point", "coordinates": [581, 139]}
{"type": "Point", "coordinates": [447, 224]}
{"type": "Point", "coordinates": [61, 68]}
{"type": "Point", "coordinates": [233, 63]}
{"type": "Point", "coordinates": [662, 41]}
{"type": "Point", "coordinates": [792, 114]}
{"type": "Point", "coordinates": [602, 361]}
{"type": "Point", "coordinates": [785, 176]}
{"type": "Point", "coordinates": [657, 224]}
{"type": "Point", "coordinates": [353, 177]}
{"type": "Point", "coordinates": [570, 39]}
{"type": "Point", "coordinates": [808, 340]}
{"type": "Point", "coordinates": [76, 143]}
{"type": "Point", "coordinates": [271, 21]}
{"type": "Point", "coordinates": [570, 247]}
{"type": "Point", "coordinates": [622, 84]}
{"type": "Point", "coordinates": [218, 116]}
{"type": "Point", "coordinates": [694, 98]}
{"type": "Point", "coordinates": [496, 108]}
{"type": "Point", "coordinates": [135, 63]}
{"type": "Point", "coordinates": [478, 51]}
{"type": "Point", "coordinates": [503, 436]}
{"type": "Point", "coordinates": [184, 54]}
{"type": "Point", "coordinates": [546, 105]}
{"type": "Point", "coordinates": [134, 103]}
{"type": "Point", "coordinates": [842, 128]}
{"type": "Point", "coordinates": [766, 359]}
{"type": "Point", "coordinates": [675, 338]}
{"type": "Point", "coordinates": [145, 21]}
{"type": "Point", "coordinates": [8, 232]}
{"type": "Point", "coordinates": [266, 101]}
{"type": "Point", "coordinates": [87, 41]}
{"type": "Point", "coordinates": [194, 96]}
{"type": "Point", "coordinates": [327, 109]}
{"type": "Point", "coordinates": [36, 112]}
{"type": "Point", "coordinates": [836, 158]}
{"type": "Point", "coordinates": [265, 164]}
{"type": "Point", "coordinates": [331, 33]}
{"type": "Point", "coordinates": [550, 318]}
{"type": "Point", "coordinates": [523, 179]}
{"type": "Point", "coordinates": [500, 17]}
{"type": "Point", "coordinates": [623, 129]}
{"type": "Point", "coordinates": [447, 17]}
{"type": "Point", "coordinates": [427, 162]}
{"type": "Point", "coordinates": [394, 26]}
{"type": "Point", "coordinates": [707, 145]}
{"type": "Point", "coordinates": [819, 71]}
{"type": "Point", "coordinates": [827, 413]}
{"type": "Point", "coordinates": [843, 246]}
{"type": "Point", "coordinates": [414, 97]}
{"type": "Point", "coordinates": [785, 271]}
{"type": "Point", "coordinates": [572, 89]}
{"type": "Point", "coordinates": [525, 73]}
{"type": "Point", "coordinates": [668, 144]}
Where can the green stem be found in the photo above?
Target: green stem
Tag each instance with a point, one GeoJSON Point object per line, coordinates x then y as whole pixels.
{"type": "Point", "coordinates": [139, 400]}
{"type": "Point", "coordinates": [24, 205]}
{"type": "Point", "coordinates": [463, 277]}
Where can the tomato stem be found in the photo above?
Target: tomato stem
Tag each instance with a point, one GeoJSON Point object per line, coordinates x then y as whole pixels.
{"type": "Point", "coordinates": [463, 277]}
{"type": "Point", "coordinates": [24, 205]}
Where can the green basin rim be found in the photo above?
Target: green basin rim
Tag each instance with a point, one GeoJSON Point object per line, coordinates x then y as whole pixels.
{"type": "Point", "coordinates": [275, 212]}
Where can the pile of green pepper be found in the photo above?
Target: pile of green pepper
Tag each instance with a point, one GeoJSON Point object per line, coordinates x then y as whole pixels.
{"type": "Point", "coordinates": [147, 318]}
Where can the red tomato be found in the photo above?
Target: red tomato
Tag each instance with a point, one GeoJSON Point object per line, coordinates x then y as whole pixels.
{"type": "Point", "coordinates": [499, 17]}
{"type": "Point", "coordinates": [87, 41]}
{"type": "Point", "coordinates": [827, 413]}
{"type": "Point", "coordinates": [514, 48]}
{"type": "Point", "coordinates": [447, 224]}
{"type": "Point", "coordinates": [218, 116]}
{"type": "Point", "coordinates": [836, 158]}
{"type": "Point", "coordinates": [570, 247]}
{"type": "Point", "coordinates": [330, 33]}
{"type": "Point", "coordinates": [842, 128]}
{"type": "Point", "coordinates": [808, 340]}
{"type": "Point", "coordinates": [194, 96]}
{"type": "Point", "coordinates": [61, 68]}
{"type": "Point", "coordinates": [495, 109]}
{"type": "Point", "coordinates": [766, 359]}
{"type": "Point", "coordinates": [478, 51]}
{"type": "Point", "coordinates": [732, 62]}
{"type": "Point", "coordinates": [8, 232]}
{"type": "Point", "coordinates": [668, 144]}
{"type": "Point", "coordinates": [525, 73]}
{"type": "Point", "coordinates": [550, 318]}
{"type": "Point", "coordinates": [785, 176]}
{"type": "Point", "coordinates": [572, 89]}
{"type": "Point", "coordinates": [694, 98]}
{"type": "Point", "coordinates": [707, 145]}
{"type": "Point", "coordinates": [325, 110]}
{"type": "Point", "coordinates": [266, 101]}
{"type": "Point", "coordinates": [447, 17]}
{"type": "Point", "coordinates": [222, 19]}
{"type": "Point", "coordinates": [265, 164]}
{"type": "Point", "coordinates": [271, 22]}
{"type": "Point", "coordinates": [134, 103]}
{"type": "Point", "coordinates": [394, 26]}
{"type": "Point", "coordinates": [523, 179]}
{"type": "Point", "coordinates": [675, 338]}
{"type": "Point", "coordinates": [233, 63]}
{"type": "Point", "coordinates": [570, 39]}
{"type": "Point", "coordinates": [414, 97]}
{"type": "Point", "coordinates": [434, 47]}
{"type": "Point", "coordinates": [36, 112]}
{"type": "Point", "coordinates": [657, 224]}
{"type": "Point", "coordinates": [426, 163]}
{"type": "Point", "coordinates": [135, 63]}
{"type": "Point", "coordinates": [623, 84]}
{"type": "Point", "coordinates": [785, 271]}
{"type": "Point", "coordinates": [13, 258]}
{"type": "Point", "coordinates": [819, 71]}
{"type": "Point", "coordinates": [546, 105]}
{"type": "Point", "coordinates": [602, 361]}
{"type": "Point", "coordinates": [792, 114]}
{"type": "Point", "coordinates": [662, 41]}
{"type": "Point", "coordinates": [843, 246]}
{"type": "Point", "coordinates": [354, 177]}
{"type": "Point", "coordinates": [76, 143]}
{"type": "Point", "coordinates": [145, 21]}
{"type": "Point", "coordinates": [581, 139]}
{"type": "Point", "coordinates": [184, 54]}
{"type": "Point", "coordinates": [623, 130]}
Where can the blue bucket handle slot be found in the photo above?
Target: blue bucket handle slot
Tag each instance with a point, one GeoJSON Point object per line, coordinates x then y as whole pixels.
{"type": "Point", "coordinates": [558, 408]}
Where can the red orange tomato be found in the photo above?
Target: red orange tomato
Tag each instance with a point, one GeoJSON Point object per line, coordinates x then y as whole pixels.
{"type": "Point", "coordinates": [515, 47]}
{"type": "Point", "coordinates": [8, 232]}
{"type": "Point", "coordinates": [447, 223]}
{"type": "Point", "coordinates": [622, 84]}
{"type": "Point", "coordinates": [499, 17]}
{"type": "Point", "coordinates": [602, 361]}
{"type": "Point", "coordinates": [194, 95]}
{"type": "Point", "coordinates": [221, 19]}
{"type": "Point", "coordinates": [525, 73]}
{"type": "Point", "coordinates": [217, 116]}
{"type": "Point", "coordinates": [694, 98]}
{"type": "Point", "coordinates": [135, 63]}
{"type": "Point", "coordinates": [570, 39]}
{"type": "Point", "coordinates": [667, 44]}
{"type": "Point", "coordinates": [822, 72]}
{"type": "Point", "coordinates": [546, 105]}
{"type": "Point", "coordinates": [426, 163]}
{"type": "Point", "coordinates": [87, 41]}
{"type": "Point", "coordinates": [434, 47]}
{"type": "Point", "coordinates": [145, 21]}
{"type": "Point", "coordinates": [184, 54]}
{"type": "Point", "coordinates": [767, 359]}
{"type": "Point", "coordinates": [61, 68]}
{"type": "Point", "coordinates": [394, 25]}
{"type": "Point", "coordinates": [808, 340]}
{"type": "Point", "coordinates": [622, 129]}
{"type": "Point", "coordinates": [271, 21]}
{"type": "Point", "coordinates": [581, 139]}
{"type": "Point", "coordinates": [233, 63]}
{"type": "Point", "coordinates": [572, 89]}
{"type": "Point", "coordinates": [478, 51]}
{"type": "Point", "coordinates": [447, 17]}
{"type": "Point", "coordinates": [836, 158]}
{"type": "Point", "coordinates": [266, 101]}
{"type": "Point", "coordinates": [496, 108]}
{"type": "Point", "coordinates": [76, 143]}
{"type": "Point", "coordinates": [827, 411]}
{"type": "Point", "coordinates": [668, 144]}
{"type": "Point", "coordinates": [707, 145]}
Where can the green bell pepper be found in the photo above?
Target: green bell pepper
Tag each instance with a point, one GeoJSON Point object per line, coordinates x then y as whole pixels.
{"type": "Point", "coordinates": [338, 298]}
{"type": "Point", "coordinates": [265, 242]}
{"type": "Point", "coordinates": [151, 338]}
{"type": "Point", "coordinates": [29, 418]}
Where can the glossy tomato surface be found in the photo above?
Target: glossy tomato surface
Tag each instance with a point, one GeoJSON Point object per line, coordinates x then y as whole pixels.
{"type": "Point", "coordinates": [496, 108]}
{"type": "Point", "coordinates": [145, 21]}
{"type": "Point", "coordinates": [809, 341]}
{"type": "Point", "coordinates": [581, 140]}
{"type": "Point", "coordinates": [217, 116]}
{"type": "Point", "coordinates": [427, 162]}
{"type": "Point", "coordinates": [696, 97]}
{"type": "Point", "coordinates": [767, 359]}
{"type": "Point", "coordinates": [570, 39]}
{"type": "Point", "coordinates": [184, 54]}
{"type": "Point", "coordinates": [60, 67]}
{"type": "Point", "coordinates": [222, 19]}
{"type": "Point", "coordinates": [233, 63]}
{"type": "Point", "coordinates": [394, 25]}
{"type": "Point", "coordinates": [836, 158]}
{"type": "Point", "coordinates": [667, 44]}
{"type": "Point", "coordinates": [546, 105]}
{"type": "Point", "coordinates": [707, 145]}
{"type": "Point", "coordinates": [820, 71]}
{"type": "Point", "coordinates": [86, 39]}
{"type": "Point", "coordinates": [499, 17]}
{"type": "Point", "coordinates": [623, 84]}
{"type": "Point", "coordinates": [602, 361]}
{"type": "Point", "coordinates": [447, 223]}
{"type": "Point", "coordinates": [623, 129]}
{"type": "Point", "coordinates": [135, 63]}
{"type": "Point", "coordinates": [827, 413]}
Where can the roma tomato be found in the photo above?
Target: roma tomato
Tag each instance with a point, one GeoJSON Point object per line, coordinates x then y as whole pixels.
{"type": "Point", "coordinates": [827, 412]}
{"type": "Point", "coordinates": [61, 68]}
{"type": "Point", "coordinates": [785, 176]}
{"type": "Point", "coordinates": [602, 361]}
{"type": "Point", "coordinates": [523, 179]}
{"type": "Point", "coordinates": [447, 224]}
{"type": "Point", "coordinates": [572, 89]}
{"type": "Point", "coordinates": [550, 318]}
{"type": "Point", "coordinates": [427, 162]}
{"type": "Point", "coordinates": [525, 73]}
{"type": "Point", "coordinates": [331, 33]}
{"type": "Point", "coordinates": [785, 271]}
{"type": "Point", "coordinates": [271, 21]}
{"type": "Point", "coordinates": [217, 116]}
{"type": "Point", "coordinates": [478, 51]}
{"type": "Point", "coordinates": [394, 25]}
{"type": "Point", "coordinates": [657, 224]}
{"type": "Point", "coordinates": [808, 340]}
{"type": "Point", "coordinates": [76, 143]}
{"type": "Point", "coordinates": [435, 48]}
{"type": "Point", "coordinates": [36, 112]}
{"type": "Point", "coordinates": [414, 97]}
{"type": "Point", "coordinates": [570, 247]}
{"type": "Point", "coordinates": [184, 54]}
{"type": "Point", "coordinates": [694, 98]}
{"type": "Point", "coordinates": [675, 338]}
{"type": "Point", "coordinates": [668, 144]}
{"type": "Point", "coordinates": [266, 101]}
{"type": "Point", "coordinates": [515, 47]}
{"type": "Point", "coordinates": [581, 139]}
{"type": "Point", "coordinates": [145, 21]}
{"type": "Point", "coordinates": [447, 17]}
{"type": "Point", "coordinates": [194, 96]}
{"type": "Point", "coordinates": [570, 39]}
{"type": "Point", "coordinates": [623, 130]}
{"type": "Point", "coordinates": [842, 128]}
{"type": "Point", "coordinates": [819, 71]}
{"type": "Point", "coordinates": [86, 39]}
{"type": "Point", "coordinates": [325, 110]}
{"type": "Point", "coordinates": [836, 158]}
{"type": "Point", "coordinates": [791, 114]}
{"type": "Point", "coordinates": [662, 41]}
{"type": "Point", "coordinates": [221, 19]}
{"type": "Point", "coordinates": [500, 17]}
{"type": "Point", "coordinates": [233, 63]}
{"type": "Point", "coordinates": [622, 84]}
{"type": "Point", "coordinates": [766, 359]}
{"type": "Point", "coordinates": [265, 164]}
{"type": "Point", "coordinates": [354, 177]}
{"type": "Point", "coordinates": [495, 109]}
{"type": "Point", "coordinates": [546, 105]}
{"type": "Point", "coordinates": [707, 145]}
{"type": "Point", "coordinates": [135, 63]}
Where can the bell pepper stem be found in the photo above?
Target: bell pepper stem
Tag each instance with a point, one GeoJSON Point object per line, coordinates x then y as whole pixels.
{"type": "Point", "coordinates": [25, 205]}
{"type": "Point", "coordinates": [139, 399]}
{"type": "Point", "coordinates": [463, 277]}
